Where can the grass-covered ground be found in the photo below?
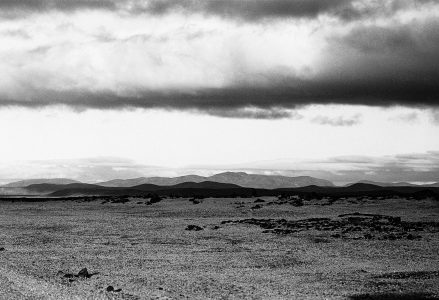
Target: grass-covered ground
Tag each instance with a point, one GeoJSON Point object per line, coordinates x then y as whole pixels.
{"type": "Point", "coordinates": [145, 251]}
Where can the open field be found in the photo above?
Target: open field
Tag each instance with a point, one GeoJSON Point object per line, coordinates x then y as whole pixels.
{"type": "Point", "coordinates": [146, 251]}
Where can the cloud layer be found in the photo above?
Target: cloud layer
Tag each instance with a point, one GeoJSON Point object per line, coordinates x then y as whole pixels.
{"type": "Point", "coordinates": [213, 56]}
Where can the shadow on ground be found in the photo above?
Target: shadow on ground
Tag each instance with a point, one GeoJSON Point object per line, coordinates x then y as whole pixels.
{"type": "Point", "coordinates": [411, 296]}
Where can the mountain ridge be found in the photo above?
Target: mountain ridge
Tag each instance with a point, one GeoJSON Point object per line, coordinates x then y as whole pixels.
{"type": "Point", "coordinates": [239, 178]}
{"type": "Point", "coordinates": [27, 182]}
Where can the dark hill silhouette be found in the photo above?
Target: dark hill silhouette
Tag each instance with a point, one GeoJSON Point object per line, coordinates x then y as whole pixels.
{"type": "Point", "coordinates": [27, 182]}
{"type": "Point", "coordinates": [360, 187]}
{"type": "Point", "coordinates": [239, 178]}
{"type": "Point", "coordinates": [48, 187]}
{"type": "Point", "coordinates": [186, 188]}
{"type": "Point", "coordinates": [214, 189]}
{"type": "Point", "coordinates": [383, 184]}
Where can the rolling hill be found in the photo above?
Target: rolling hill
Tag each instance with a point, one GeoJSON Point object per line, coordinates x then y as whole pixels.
{"type": "Point", "coordinates": [92, 189]}
{"type": "Point", "coordinates": [27, 182]}
{"type": "Point", "coordinates": [239, 178]}
{"type": "Point", "coordinates": [383, 184]}
{"type": "Point", "coordinates": [215, 189]}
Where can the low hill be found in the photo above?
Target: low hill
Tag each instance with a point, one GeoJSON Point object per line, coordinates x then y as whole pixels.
{"type": "Point", "coordinates": [93, 189]}
{"type": "Point", "coordinates": [239, 178]}
{"type": "Point", "coordinates": [268, 181]}
{"type": "Point", "coordinates": [45, 188]}
{"type": "Point", "coordinates": [163, 181]}
{"type": "Point", "coordinates": [383, 184]}
{"type": "Point", "coordinates": [215, 189]}
{"type": "Point", "coordinates": [27, 182]}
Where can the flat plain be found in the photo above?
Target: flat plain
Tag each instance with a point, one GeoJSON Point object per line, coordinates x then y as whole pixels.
{"type": "Point", "coordinates": [238, 249]}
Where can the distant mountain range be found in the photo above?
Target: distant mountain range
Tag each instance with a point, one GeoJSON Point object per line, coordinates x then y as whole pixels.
{"type": "Point", "coordinates": [239, 178]}
{"type": "Point", "coordinates": [226, 180]}
{"type": "Point", "coordinates": [27, 182]}
{"type": "Point", "coordinates": [185, 188]}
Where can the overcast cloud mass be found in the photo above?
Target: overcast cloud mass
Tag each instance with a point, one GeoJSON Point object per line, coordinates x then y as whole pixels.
{"type": "Point", "coordinates": [217, 56]}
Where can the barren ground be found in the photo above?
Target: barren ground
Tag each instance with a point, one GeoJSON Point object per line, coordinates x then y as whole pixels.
{"type": "Point", "coordinates": [145, 251]}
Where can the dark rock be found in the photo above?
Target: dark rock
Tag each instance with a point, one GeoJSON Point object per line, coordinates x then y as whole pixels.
{"type": "Point", "coordinates": [259, 201]}
{"type": "Point", "coordinates": [347, 226]}
{"type": "Point", "coordinates": [193, 228]}
{"type": "Point", "coordinates": [84, 273]}
{"type": "Point", "coordinates": [2, 249]}
{"type": "Point", "coordinates": [155, 198]}
{"type": "Point", "coordinates": [368, 236]}
{"type": "Point", "coordinates": [258, 206]}
{"type": "Point", "coordinates": [413, 237]}
{"type": "Point", "coordinates": [110, 288]}
{"type": "Point", "coordinates": [195, 201]}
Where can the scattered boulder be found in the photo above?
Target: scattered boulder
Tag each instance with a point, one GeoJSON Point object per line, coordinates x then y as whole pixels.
{"type": "Point", "coordinates": [194, 228]}
{"type": "Point", "coordinates": [83, 273]}
{"type": "Point", "coordinates": [195, 201]}
{"type": "Point", "coordinates": [110, 288]}
{"type": "Point", "coordinates": [155, 198]}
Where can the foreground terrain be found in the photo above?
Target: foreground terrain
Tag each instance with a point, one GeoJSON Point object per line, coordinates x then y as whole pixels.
{"type": "Point", "coordinates": [236, 248]}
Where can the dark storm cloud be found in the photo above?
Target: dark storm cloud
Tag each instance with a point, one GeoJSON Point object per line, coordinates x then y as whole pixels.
{"type": "Point", "coordinates": [236, 9]}
{"type": "Point", "coordinates": [63, 5]}
{"type": "Point", "coordinates": [376, 65]}
{"type": "Point", "coordinates": [249, 10]}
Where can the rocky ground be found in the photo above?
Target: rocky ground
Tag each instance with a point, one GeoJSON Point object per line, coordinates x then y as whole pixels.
{"type": "Point", "coordinates": [259, 248]}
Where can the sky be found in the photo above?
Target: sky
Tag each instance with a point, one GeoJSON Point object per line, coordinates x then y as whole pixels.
{"type": "Point", "coordinates": [99, 89]}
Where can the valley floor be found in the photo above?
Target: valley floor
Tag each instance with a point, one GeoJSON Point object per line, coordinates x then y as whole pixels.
{"type": "Point", "coordinates": [148, 253]}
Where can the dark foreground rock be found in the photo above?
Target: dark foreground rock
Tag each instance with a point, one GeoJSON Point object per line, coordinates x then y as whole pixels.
{"type": "Point", "coordinates": [110, 288]}
{"type": "Point", "coordinates": [194, 228]}
{"type": "Point", "coordinates": [396, 296]}
{"type": "Point", "coordinates": [410, 275]}
{"type": "Point", "coordinates": [348, 226]}
{"type": "Point", "coordinates": [83, 273]}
